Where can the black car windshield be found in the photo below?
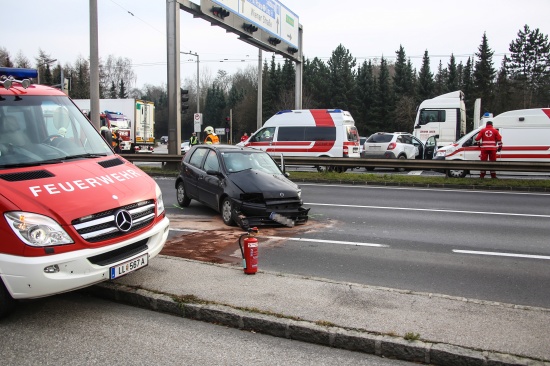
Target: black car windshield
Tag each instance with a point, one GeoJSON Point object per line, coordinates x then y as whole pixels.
{"type": "Point", "coordinates": [237, 161]}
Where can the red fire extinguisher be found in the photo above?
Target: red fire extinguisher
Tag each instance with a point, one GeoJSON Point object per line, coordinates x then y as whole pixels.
{"type": "Point", "coordinates": [249, 250]}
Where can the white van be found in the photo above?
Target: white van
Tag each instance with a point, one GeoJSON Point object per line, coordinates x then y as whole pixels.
{"type": "Point", "coordinates": [525, 137]}
{"type": "Point", "coordinates": [308, 132]}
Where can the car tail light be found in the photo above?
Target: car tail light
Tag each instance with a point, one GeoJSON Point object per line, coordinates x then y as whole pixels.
{"type": "Point", "coordinates": [346, 151]}
{"type": "Point", "coordinates": [391, 146]}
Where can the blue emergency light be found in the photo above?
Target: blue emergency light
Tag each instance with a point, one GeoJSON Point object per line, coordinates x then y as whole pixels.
{"type": "Point", "coordinates": [10, 75]}
{"type": "Point", "coordinates": [18, 73]}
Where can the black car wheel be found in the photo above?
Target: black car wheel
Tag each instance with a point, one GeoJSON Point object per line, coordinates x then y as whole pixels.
{"type": "Point", "coordinates": [183, 199]}
{"type": "Point", "coordinates": [7, 303]}
{"type": "Point", "coordinates": [456, 173]}
{"type": "Point", "coordinates": [227, 215]}
{"type": "Point", "coordinates": [401, 157]}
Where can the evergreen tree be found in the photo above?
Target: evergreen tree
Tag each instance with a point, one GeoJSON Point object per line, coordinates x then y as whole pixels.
{"type": "Point", "coordinates": [366, 90]}
{"type": "Point", "coordinates": [469, 95]}
{"type": "Point", "coordinates": [484, 76]}
{"type": "Point", "coordinates": [342, 80]}
{"type": "Point", "coordinates": [440, 84]}
{"type": "Point", "coordinates": [425, 86]}
{"type": "Point", "coordinates": [452, 75]}
{"type": "Point", "coordinates": [401, 79]}
{"type": "Point", "coordinates": [529, 67]}
{"type": "Point", "coordinates": [316, 84]}
{"type": "Point", "coordinates": [503, 90]}
{"type": "Point", "coordinates": [122, 94]}
{"type": "Point", "coordinates": [214, 111]}
{"type": "Point", "coordinates": [385, 101]}
{"type": "Point", "coordinates": [112, 91]}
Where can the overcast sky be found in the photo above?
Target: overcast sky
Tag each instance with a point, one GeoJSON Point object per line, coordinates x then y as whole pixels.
{"type": "Point", "coordinates": [136, 29]}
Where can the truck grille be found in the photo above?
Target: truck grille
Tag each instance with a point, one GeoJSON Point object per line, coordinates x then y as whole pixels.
{"type": "Point", "coordinates": [103, 225]}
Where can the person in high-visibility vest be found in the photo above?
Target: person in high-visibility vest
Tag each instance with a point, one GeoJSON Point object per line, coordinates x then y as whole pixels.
{"type": "Point", "coordinates": [193, 140]}
{"type": "Point", "coordinates": [211, 137]}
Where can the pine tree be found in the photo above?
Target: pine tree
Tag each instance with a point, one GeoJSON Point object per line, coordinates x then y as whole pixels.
{"type": "Point", "coordinates": [503, 90]}
{"type": "Point", "coordinates": [385, 102]}
{"type": "Point", "coordinates": [112, 91]}
{"type": "Point", "coordinates": [366, 90]}
{"type": "Point", "coordinates": [440, 84]}
{"type": "Point", "coordinates": [529, 66]}
{"type": "Point", "coordinates": [469, 95]}
{"type": "Point", "coordinates": [316, 84]}
{"type": "Point", "coordinates": [425, 86]}
{"type": "Point", "coordinates": [342, 80]}
{"type": "Point", "coordinates": [122, 93]}
{"type": "Point", "coordinates": [452, 75]}
{"type": "Point", "coordinates": [484, 76]}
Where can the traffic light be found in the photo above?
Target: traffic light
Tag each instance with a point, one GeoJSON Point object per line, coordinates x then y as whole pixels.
{"type": "Point", "coordinates": [274, 41]}
{"type": "Point", "coordinates": [184, 98]}
{"type": "Point", "coordinates": [292, 50]}
{"type": "Point", "coordinates": [220, 12]}
{"type": "Point", "coordinates": [250, 28]}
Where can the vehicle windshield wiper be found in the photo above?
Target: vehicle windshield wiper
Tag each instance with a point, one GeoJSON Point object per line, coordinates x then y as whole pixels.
{"type": "Point", "coordinates": [70, 157]}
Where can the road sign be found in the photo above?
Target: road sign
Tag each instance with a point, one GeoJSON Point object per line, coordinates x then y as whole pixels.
{"type": "Point", "coordinates": [197, 117]}
{"type": "Point", "coordinates": [220, 131]}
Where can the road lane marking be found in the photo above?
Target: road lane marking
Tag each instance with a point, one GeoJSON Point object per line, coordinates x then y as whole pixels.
{"type": "Point", "coordinates": [328, 241]}
{"type": "Point", "coordinates": [428, 209]}
{"type": "Point", "coordinates": [499, 254]}
{"type": "Point", "coordinates": [437, 189]}
{"type": "Point", "coordinates": [304, 239]}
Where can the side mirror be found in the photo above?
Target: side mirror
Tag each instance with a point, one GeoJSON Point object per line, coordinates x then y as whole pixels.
{"type": "Point", "coordinates": [214, 172]}
{"type": "Point", "coordinates": [417, 127]}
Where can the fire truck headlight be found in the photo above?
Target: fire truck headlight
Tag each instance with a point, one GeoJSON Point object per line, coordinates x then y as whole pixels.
{"type": "Point", "coordinates": [160, 202]}
{"type": "Point", "coordinates": [37, 230]}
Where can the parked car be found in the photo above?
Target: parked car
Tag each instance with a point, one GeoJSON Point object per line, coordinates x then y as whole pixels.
{"type": "Point", "coordinates": [245, 185]}
{"type": "Point", "coordinates": [396, 145]}
{"type": "Point", "coordinates": [185, 146]}
{"type": "Point", "coordinates": [164, 140]}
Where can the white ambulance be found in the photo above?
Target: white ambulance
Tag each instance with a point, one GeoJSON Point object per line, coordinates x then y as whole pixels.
{"type": "Point", "coordinates": [308, 132]}
{"type": "Point", "coordinates": [525, 137]}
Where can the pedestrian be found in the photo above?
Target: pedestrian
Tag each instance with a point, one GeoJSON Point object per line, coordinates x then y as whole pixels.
{"type": "Point", "coordinates": [193, 140]}
{"type": "Point", "coordinates": [211, 137]}
{"type": "Point", "coordinates": [107, 136]}
{"type": "Point", "coordinates": [244, 137]}
{"type": "Point", "coordinates": [116, 140]}
{"type": "Point", "coordinates": [491, 143]}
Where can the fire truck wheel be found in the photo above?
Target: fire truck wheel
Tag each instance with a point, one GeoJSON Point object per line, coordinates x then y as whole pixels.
{"type": "Point", "coordinates": [183, 199]}
{"type": "Point", "coordinates": [227, 207]}
{"type": "Point", "coordinates": [7, 303]}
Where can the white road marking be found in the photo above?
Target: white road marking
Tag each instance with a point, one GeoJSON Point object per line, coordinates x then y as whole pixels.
{"type": "Point", "coordinates": [328, 241]}
{"type": "Point", "coordinates": [498, 254]}
{"type": "Point", "coordinates": [428, 209]}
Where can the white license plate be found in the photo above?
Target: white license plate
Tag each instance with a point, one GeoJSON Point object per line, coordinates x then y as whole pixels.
{"type": "Point", "coordinates": [129, 266]}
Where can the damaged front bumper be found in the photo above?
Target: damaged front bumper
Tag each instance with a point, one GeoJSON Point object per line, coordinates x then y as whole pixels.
{"type": "Point", "coordinates": [281, 213]}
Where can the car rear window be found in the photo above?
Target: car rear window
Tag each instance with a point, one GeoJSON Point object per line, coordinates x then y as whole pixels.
{"type": "Point", "coordinates": [380, 138]}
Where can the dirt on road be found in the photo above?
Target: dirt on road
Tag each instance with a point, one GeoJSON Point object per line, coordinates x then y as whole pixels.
{"type": "Point", "coordinates": [210, 240]}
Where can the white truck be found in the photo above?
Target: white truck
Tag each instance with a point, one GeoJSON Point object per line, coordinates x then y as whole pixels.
{"type": "Point", "coordinates": [443, 118]}
{"type": "Point", "coordinates": [137, 129]}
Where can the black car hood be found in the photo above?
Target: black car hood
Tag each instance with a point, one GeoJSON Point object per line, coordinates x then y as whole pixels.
{"type": "Point", "coordinates": [271, 185]}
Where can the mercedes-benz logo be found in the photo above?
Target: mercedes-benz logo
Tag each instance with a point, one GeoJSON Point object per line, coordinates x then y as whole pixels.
{"type": "Point", "coordinates": [281, 194]}
{"type": "Point", "coordinates": [123, 220]}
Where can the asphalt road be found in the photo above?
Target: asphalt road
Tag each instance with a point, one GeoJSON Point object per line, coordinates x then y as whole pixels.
{"type": "Point", "coordinates": [485, 245]}
{"type": "Point", "coordinates": [77, 329]}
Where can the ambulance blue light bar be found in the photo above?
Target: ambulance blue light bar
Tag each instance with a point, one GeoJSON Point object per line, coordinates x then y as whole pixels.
{"type": "Point", "coordinates": [18, 73]}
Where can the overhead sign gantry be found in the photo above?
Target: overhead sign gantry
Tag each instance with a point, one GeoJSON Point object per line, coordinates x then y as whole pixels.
{"type": "Point", "coordinates": [265, 24]}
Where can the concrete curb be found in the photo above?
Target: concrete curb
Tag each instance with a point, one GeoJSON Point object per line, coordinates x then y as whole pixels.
{"type": "Point", "coordinates": [330, 335]}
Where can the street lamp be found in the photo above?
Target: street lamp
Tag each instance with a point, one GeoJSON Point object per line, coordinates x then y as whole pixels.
{"type": "Point", "coordinates": [44, 63]}
{"type": "Point", "coordinates": [198, 87]}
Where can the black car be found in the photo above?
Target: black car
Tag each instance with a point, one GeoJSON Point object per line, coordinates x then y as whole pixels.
{"type": "Point", "coordinates": [245, 185]}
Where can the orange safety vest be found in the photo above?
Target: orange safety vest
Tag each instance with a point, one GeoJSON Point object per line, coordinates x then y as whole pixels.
{"type": "Point", "coordinates": [212, 139]}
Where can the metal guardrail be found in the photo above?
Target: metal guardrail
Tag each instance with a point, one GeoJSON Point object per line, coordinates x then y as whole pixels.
{"type": "Point", "coordinates": [437, 165]}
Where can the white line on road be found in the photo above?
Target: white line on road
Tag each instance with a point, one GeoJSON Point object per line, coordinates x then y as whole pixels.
{"type": "Point", "coordinates": [498, 254]}
{"type": "Point", "coordinates": [428, 209]}
{"type": "Point", "coordinates": [328, 241]}
{"type": "Point", "coordinates": [305, 239]}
